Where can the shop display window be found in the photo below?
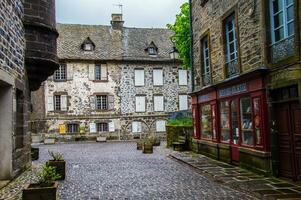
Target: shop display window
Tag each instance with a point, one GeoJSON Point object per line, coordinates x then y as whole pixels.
{"type": "Point", "coordinates": [234, 122]}
{"type": "Point", "coordinates": [213, 107]}
{"type": "Point", "coordinates": [206, 121]}
{"type": "Point", "coordinates": [257, 121]}
{"type": "Point", "coordinates": [246, 121]}
{"type": "Point", "coordinates": [225, 121]}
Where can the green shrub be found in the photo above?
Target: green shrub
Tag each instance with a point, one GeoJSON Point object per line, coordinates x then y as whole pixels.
{"type": "Point", "coordinates": [180, 122]}
{"type": "Point", "coordinates": [56, 156]}
{"type": "Point", "coordinates": [48, 175]}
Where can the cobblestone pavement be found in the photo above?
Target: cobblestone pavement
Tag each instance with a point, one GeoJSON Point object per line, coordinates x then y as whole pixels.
{"type": "Point", "coordinates": [240, 179]}
{"type": "Point", "coordinates": [116, 170]}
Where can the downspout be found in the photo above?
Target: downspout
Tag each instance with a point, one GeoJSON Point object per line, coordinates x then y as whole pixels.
{"type": "Point", "coordinates": [191, 46]}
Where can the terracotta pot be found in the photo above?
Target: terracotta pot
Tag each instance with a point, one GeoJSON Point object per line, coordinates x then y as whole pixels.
{"type": "Point", "coordinates": [36, 192]}
{"type": "Point", "coordinates": [60, 167]}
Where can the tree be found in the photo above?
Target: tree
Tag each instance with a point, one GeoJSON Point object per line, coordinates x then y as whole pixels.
{"type": "Point", "coordinates": [181, 36]}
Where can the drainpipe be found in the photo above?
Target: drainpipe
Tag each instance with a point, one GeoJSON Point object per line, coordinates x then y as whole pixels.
{"type": "Point", "coordinates": [191, 45]}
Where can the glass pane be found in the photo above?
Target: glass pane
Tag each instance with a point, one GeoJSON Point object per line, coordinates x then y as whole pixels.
{"type": "Point", "coordinates": [214, 121]}
{"type": "Point", "coordinates": [246, 121]}
{"type": "Point", "coordinates": [290, 29]}
{"type": "Point", "coordinates": [277, 5]}
{"type": "Point", "coordinates": [229, 25]}
{"type": "Point", "coordinates": [279, 34]}
{"type": "Point", "coordinates": [257, 120]}
{"type": "Point", "coordinates": [290, 13]}
{"type": "Point", "coordinates": [206, 122]}
{"type": "Point", "coordinates": [225, 121]}
{"type": "Point", "coordinates": [278, 20]}
{"type": "Point", "coordinates": [288, 2]}
{"type": "Point", "coordinates": [231, 36]}
{"type": "Point", "coordinates": [234, 122]}
{"type": "Point", "coordinates": [231, 48]}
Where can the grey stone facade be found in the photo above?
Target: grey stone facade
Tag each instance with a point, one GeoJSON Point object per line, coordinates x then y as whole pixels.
{"type": "Point", "coordinates": [120, 51]}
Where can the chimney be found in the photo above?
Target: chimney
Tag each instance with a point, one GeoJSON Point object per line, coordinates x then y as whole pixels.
{"type": "Point", "coordinates": [117, 22]}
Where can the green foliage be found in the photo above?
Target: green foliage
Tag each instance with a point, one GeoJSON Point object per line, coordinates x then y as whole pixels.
{"type": "Point", "coordinates": [56, 156]}
{"type": "Point", "coordinates": [184, 121]}
{"type": "Point", "coordinates": [48, 175]}
{"type": "Point", "coordinates": [181, 36]}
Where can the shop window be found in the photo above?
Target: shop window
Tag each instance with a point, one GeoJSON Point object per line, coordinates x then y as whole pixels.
{"type": "Point", "coordinates": [61, 73]}
{"type": "Point", "coordinates": [257, 120]}
{"type": "Point", "coordinates": [102, 127]}
{"type": "Point", "coordinates": [225, 121]}
{"type": "Point", "coordinates": [206, 121]}
{"type": "Point", "coordinates": [73, 128]}
{"type": "Point", "coordinates": [234, 122]}
{"type": "Point", "coordinates": [246, 121]}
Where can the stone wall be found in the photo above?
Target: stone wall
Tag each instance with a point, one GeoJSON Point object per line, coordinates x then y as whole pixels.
{"type": "Point", "coordinates": [209, 19]}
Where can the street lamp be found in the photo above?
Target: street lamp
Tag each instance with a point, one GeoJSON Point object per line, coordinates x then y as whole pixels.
{"type": "Point", "coordinates": [174, 54]}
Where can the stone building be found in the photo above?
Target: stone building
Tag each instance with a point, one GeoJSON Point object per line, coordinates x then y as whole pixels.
{"type": "Point", "coordinates": [27, 42]}
{"type": "Point", "coordinates": [113, 81]}
{"type": "Point", "coordinates": [246, 100]}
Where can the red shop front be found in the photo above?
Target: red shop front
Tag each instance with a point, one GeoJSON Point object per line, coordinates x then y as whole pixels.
{"type": "Point", "coordinates": [230, 119]}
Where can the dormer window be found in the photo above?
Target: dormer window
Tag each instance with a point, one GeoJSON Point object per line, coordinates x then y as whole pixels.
{"type": "Point", "coordinates": [88, 45]}
{"type": "Point", "coordinates": [152, 49]}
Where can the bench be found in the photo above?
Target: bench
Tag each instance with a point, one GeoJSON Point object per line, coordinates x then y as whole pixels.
{"type": "Point", "coordinates": [180, 144]}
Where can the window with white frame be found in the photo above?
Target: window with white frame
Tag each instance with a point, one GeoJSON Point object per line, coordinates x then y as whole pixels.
{"type": "Point", "coordinates": [101, 73]}
{"type": "Point", "coordinates": [152, 51]}
{"type": "Point", "coordinates": [231, 40]}
{"type": "Point", "coordinates": [183, 77]}
{"type": "Point", "coordinates": [183, 102]}
{"type": "Point", "coordinates": [101, 102]}
{"type": "Point", "coordinates": [205, 61]}
{"type": "Point", "coordinates": [139, 77]}
{"type": "Point", "coordinates": [73, 128]}
{"type": "Point", "coordinates": [88, 47]}
{"type": "Point", "coordinates": [59, 103]}
{"type": "Point", "coordinates": [160, 126]}
{"type": "Point", "coordinates": [61, 73]}
{"type": "Point", "coordinates": [282, 19]}
{"type": "Point", "coordinates": [158, 77]}
{"type": "Point", "coordinates": [102, 127]}
{"type": "Point", "coordinates": [140, 103]}
{"type": "Point", "coordinates": [158, 103]}
{"type": "Point", "coordinates": [136, 127]}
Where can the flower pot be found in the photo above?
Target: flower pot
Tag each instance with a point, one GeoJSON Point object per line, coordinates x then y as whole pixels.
{"type": "Point", "coordinates": [139, 145]}
{"type": "Point", "coordinates": [60, 166]}
{"type": "Point", "coordinates": [34, 153]}
{"type": "Point", "coordinates": [147, 148]}
{"type": "Point", "coordinates": [36, 192]}
{"type": "Point", "coordinates": [157, 142]}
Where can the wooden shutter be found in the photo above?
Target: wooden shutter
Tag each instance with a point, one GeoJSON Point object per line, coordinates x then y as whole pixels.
{"type": "Point", "coordinates": [93, 128]}
{"type": "Point", "coordinates": [111, 126]}
{"type": "Point", "coordinates": [158, 103]}
{"type": "Point", "coordinates": [92, 103]}
{"type": "Point", "coordinates": [111, 102]}
{"type": "Point", "coordinates": [139, 77]}
{"type": "Point", "coordinates": [158, 76]}
{"type": "Point", "coordinates": [140, 103]}
{"type": "Point", "coordinates": [182, 77]}
{"type": "Point", "coordinates": [64, 101]}
{"type": "Point", "coordinates": [91, 72]}
{"type": "Point", "coordinates": [183, 102]}
{"type": "Point", "coordinates": [160, 126]}
{"type": "Point", "coordinates": [136, 127]}
{"type": "Point", "coordinates": [50, 104]}
{"type": "Point", "coordinates": [69, 69]}
{"type": "Point", "coordinates": [104, 73]}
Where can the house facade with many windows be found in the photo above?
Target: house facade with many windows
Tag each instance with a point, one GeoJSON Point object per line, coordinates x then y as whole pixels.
{"type": "Point", "coordinates": [113, 81]}
{"type": "Point", "coordinates": [246, 100]}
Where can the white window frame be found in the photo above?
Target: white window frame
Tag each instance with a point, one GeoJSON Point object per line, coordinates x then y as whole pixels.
{"type": "Point", "coordinates": [228, 31]}
{"type": "Point", "coordinates": [160, 126]}
{"type": "Point", "coordinates": [158, 103]}
{"type": "Point", "coordinates": [139, 104]}
{"type": "Point", "coordinates": [206, 56]}
{"type": "Point", "coordinates": [61, 73]}
{"type": "Point", "coordinates": [101, 102]}
{"type": "Point", "coordinates": [158, 77]}
{"type": "Point", "coordinates": [183, 77]}
{"type": "Point", "coordinates": [102, 127]}
{"type": "Point", "coordinates": [98, 72]}
{"type": "Point", "coordinates": [285, 22]}
{"type": "Point", "coordinates": [139, 81]}
{"type": "Point", "coordinates": [57, 102]}
{"type": "Point", "coordinates": [138, 126]}
{"type": "Point", "coordinates": [88, 47]}
{"type": "Point", "coordinates": [183, 105]}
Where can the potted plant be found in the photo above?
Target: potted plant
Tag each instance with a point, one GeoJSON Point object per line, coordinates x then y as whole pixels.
{"type": "Point", "coordinates": [140, 144]}
{"type": "Point", "coordinates": [46, 188]}
{"type": "Point", "coordinates": [59, 163]}
{"type": "Point", "coordinates": [147, 147]}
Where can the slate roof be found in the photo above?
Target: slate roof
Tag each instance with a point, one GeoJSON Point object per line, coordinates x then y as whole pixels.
{"type": "Point", "coordinates": [128, 44]}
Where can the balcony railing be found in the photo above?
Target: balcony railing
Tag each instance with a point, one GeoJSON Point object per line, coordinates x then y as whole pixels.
{"type": "Point", "coordinates": [232, 68]}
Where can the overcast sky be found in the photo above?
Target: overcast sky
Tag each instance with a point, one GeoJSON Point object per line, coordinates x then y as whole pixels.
{"type": "Point", "coordinates": [136, 13]}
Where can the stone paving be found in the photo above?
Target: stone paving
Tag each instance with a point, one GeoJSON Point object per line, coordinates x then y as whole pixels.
{"type": "Point", "coordinates": [116, 170]}
{"type": "Point", "coordinates": [240, 179]}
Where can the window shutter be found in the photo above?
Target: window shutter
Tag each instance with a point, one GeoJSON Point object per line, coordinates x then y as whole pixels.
{"type": "Point", "coordinates": [111, 127]}
{"type": "Point", "coordinates": [158, 103]}
{"type": "Point", "coordinates": [160, 126]}
{"type": "Point", "coordinates": [104, 72]}
{"type": "Point", "coordinates": [92, 103]}
{"type": "Point", "coordinates": [140, 104]}
{"type": "Point", "coordinates": [69, 69]}
{"type": "Point", "coordinates": [183, 102]}
{"type": "Point", "coordinates": [64, 99]}
{"type": "Point", "coordinates": [136, 127]}
{"type": "Point", "coordinates": [182, 77]}
{"type": "Point", "coordinates": [139, 77]}
{"type": "Point", "coordinates": [158, 76]}
{"type": "Point", "coordinates": [93, 128]}
{"type": "Point", "coordinates": [91, 72]}
{"type": "Point", "coordinates": [111, 102]}
{"type": "Point", "coordinates": [139, 127]}
{"type": "Point", "coordinates": [50, 106]}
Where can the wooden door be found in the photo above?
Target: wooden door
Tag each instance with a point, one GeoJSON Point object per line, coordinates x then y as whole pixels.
{"type": "Point", "coordinates": [296, 130]}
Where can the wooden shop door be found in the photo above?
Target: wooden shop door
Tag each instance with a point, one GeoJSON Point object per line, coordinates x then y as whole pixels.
{"type": "Point", "coordinates": [289, 131]}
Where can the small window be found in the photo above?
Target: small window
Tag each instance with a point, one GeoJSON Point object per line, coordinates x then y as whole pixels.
{"type": "Point", "coordinates": [140, 103]}
{"type": "Point", "coordinates": [101, 73]}
{"type": "Point", "coordinates": [97, 72]}
{"type": "Point", "coordinates": [183, 77]}
{"type": "Point", "coordinates": [88, 47]}
{"type": "Point", "coordinates": [136, 127]}
{"type": "Point", "coordinates": [73, 128]}
{"type": "Point", "coordinates": [61, 73]}
{"type": "Point", "coordinates": [139, 77]}
{"type": "Point", "coordinates": [183, 102]}
{"type": "Point", "coordinates": [158, 77]}
{"type": "Point", "coordinates": [152, 51]}
{"type": "Point", "coordinates": [57, 102]}
{"type": "Point", "coordinates": [160, 126]}
{"type": "Point", "coordinates": [231, 41]}
{"type": "Point", "coordinates": [102, 127]}
{"type": "Point", "coordinates": [206, 74]}
{"type": "Point", "coordinates": [101, 102]}
{"type": "Point", "coordinates": [158, 103]}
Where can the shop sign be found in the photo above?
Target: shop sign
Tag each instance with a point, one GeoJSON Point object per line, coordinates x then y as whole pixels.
{"type": "Point", "coordinates": [62, 128]}
{"type": "Point", "coordinates": [236, 89]}
{"type": "Point", "coordinates": [206, 97]}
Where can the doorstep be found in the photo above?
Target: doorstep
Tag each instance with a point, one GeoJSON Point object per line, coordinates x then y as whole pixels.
{"type": "Point", "coordinates": [262, 187]}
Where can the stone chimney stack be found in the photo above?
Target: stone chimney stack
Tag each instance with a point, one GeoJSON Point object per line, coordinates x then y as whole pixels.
{"type": "Point", "coordinates": [117, 22]}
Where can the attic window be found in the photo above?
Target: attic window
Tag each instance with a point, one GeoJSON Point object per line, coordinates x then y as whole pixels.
{"type": "Point", "coordinates": [152, 51]}
{"type": "Point", "coordinates": [88, 45]}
